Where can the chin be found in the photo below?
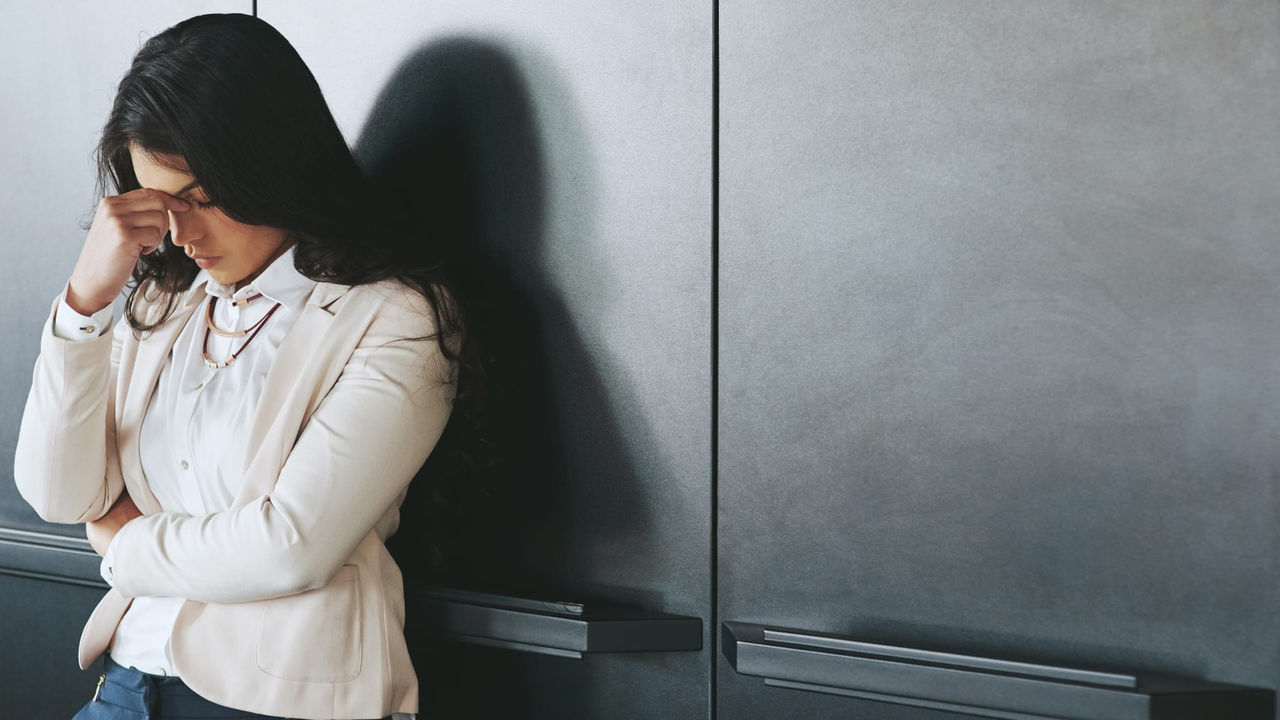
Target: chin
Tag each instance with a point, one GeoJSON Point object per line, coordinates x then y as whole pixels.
{"type": "Point", "coordinates": [224, 278]}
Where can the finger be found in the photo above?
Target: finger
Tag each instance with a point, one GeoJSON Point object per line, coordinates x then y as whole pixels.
{"type": "Point", "coordinates": [148, 234]}
{"type": "Point", "coordinates": [148, 218]}
{"type": "Point", "coordinates": [176, 204]}
{"type": "Point", "coordinates": [151, 199]}
{"type": "Point", "coordinates": [150, 238]}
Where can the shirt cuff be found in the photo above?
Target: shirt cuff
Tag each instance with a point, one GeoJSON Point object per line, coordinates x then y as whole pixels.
{"type": "Point", "coordinates": [71, 325]}
{"type": "Point", "coordinates": [107, 569]}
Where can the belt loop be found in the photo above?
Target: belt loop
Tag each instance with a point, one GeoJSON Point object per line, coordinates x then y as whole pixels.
{"type": "Point", "coordinates": [150, 696]}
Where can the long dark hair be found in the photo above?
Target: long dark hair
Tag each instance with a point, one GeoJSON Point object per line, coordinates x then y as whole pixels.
{"type": "Point", "coordinates": [229, 95]}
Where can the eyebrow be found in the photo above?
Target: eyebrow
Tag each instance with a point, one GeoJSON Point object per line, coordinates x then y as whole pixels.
{"type": "Point", "coordinates": [187, 188]}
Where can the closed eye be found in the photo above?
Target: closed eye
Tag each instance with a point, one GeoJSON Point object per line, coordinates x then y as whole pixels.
{"type": "Point", "coordinates": [193, 185]}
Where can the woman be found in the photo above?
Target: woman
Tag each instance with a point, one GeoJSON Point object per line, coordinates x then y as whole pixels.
{"type": "Point", "coordinates": [239, 445]}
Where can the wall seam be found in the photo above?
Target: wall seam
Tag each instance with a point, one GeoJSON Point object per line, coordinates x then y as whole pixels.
{"type": "Point", "coordinates": [715, 358]}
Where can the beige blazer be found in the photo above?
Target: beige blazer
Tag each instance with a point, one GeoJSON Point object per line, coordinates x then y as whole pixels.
{"type": "Point", "coordinates": [294, 607]}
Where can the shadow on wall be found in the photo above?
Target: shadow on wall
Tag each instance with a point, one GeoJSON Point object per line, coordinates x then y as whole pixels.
{"type": "Point", "coordinates": [453, 157]}
{"type": "Point", "coordinates": [453, 152]}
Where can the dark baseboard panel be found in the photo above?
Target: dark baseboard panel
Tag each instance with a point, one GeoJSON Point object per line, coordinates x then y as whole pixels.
{"type": "Point", "coordinates": [50, 557]}
{"type": "Point", "coordinates": [982, 686]}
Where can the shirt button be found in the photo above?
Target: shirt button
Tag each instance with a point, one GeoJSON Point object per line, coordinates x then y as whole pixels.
{"type": "Point", "coordinates": [185, 465]}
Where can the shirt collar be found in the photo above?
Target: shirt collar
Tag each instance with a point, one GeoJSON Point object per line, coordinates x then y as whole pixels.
{"type": "Point", "coordinates": [280, 282]}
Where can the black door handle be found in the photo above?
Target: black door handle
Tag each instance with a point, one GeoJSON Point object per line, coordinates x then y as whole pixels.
{"type": "Point", "coordinates": [563, 628]}
{"type": "Point", "coordinates": [987, 687]}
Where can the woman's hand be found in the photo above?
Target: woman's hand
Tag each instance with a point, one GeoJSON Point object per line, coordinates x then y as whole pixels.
{"type": "Point", "coordinates": [102, 530]}
{"type": "Point", "coordinates": [124, 228]}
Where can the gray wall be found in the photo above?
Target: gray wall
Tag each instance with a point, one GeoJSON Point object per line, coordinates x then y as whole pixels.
{"type": "Point", "coordinates": [1000, 332]}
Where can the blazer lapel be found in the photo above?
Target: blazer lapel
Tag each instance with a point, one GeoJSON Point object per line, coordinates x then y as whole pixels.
{"type": "Point", "coordinates": [149, 361]}
{"type": "Point", "coordinates": [279, 404]}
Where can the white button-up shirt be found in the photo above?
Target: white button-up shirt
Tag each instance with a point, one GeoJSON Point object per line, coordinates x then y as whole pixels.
{"type": "Point", "coordinates": [196, 426]}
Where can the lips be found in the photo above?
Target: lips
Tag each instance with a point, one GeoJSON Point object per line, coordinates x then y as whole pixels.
{"type": "Point", "coordinates": [206, 262]}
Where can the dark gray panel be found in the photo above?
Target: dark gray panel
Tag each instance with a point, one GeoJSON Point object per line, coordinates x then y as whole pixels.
{"type": "Point", "coordinates": [568, 144]}
{"type": "Point", "coordinates": [48, 556]}
{"type": "Point", "coordinates": [49, 585]}
{"type": "Point", "coordinates": [61, 63]}
{"type": "Point", "coordinates": [40, 622]}
{"type": "Point", "coordinates": [999, 332]}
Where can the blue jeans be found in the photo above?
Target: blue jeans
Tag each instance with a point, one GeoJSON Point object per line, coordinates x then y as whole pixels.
{"type": "Point", "coordinates": [126, 694]}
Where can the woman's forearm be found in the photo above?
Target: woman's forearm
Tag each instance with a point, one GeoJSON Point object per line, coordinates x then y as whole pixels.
{"type": "Point", "coordinates": [349, 467]}
{"type": "Point", "coordinates": [62, 462]}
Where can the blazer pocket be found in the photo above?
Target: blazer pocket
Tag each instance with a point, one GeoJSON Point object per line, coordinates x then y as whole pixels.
{"type": "Point", "coordinates": [314, 636]}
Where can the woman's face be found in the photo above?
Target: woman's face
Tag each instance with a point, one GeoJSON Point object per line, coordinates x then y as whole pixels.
{"type": "Point", "coordinates": [233, 252]}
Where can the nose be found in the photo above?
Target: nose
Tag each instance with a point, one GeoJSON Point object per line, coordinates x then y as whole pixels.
{"type": "Point", "coordinates": [183, 228]}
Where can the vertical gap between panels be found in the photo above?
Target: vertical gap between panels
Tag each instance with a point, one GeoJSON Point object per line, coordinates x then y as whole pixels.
{"type": "Point", "coordinates": [715, 355]}
{"type": "Point", "coordinates": [255, 8]}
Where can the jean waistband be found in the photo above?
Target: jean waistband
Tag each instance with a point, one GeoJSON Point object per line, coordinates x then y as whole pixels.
{"type": "Point", "coordinates": [159, 695]}
{"type": "Point", "coordinates": [163, 696]}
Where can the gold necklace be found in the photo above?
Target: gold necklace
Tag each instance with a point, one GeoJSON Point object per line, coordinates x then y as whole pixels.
{"type": "Point", "coordinates": [208, 317]}
{"type": "Point", "coordinates": [252, 332]}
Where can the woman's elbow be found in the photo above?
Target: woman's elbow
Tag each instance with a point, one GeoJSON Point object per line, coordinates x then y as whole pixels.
{"type": "Point", "coordinates": [290, 573]}
{"type": "Point", "coordinates": [53, 507]}
{"type": "Point", "coordinates": [301, 577]}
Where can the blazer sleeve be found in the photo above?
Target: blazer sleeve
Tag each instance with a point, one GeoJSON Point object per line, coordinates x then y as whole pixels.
{"type": "Point", "coordinates": [350, 465]}
{"type": "Point", "coordinates": [65, 464]}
